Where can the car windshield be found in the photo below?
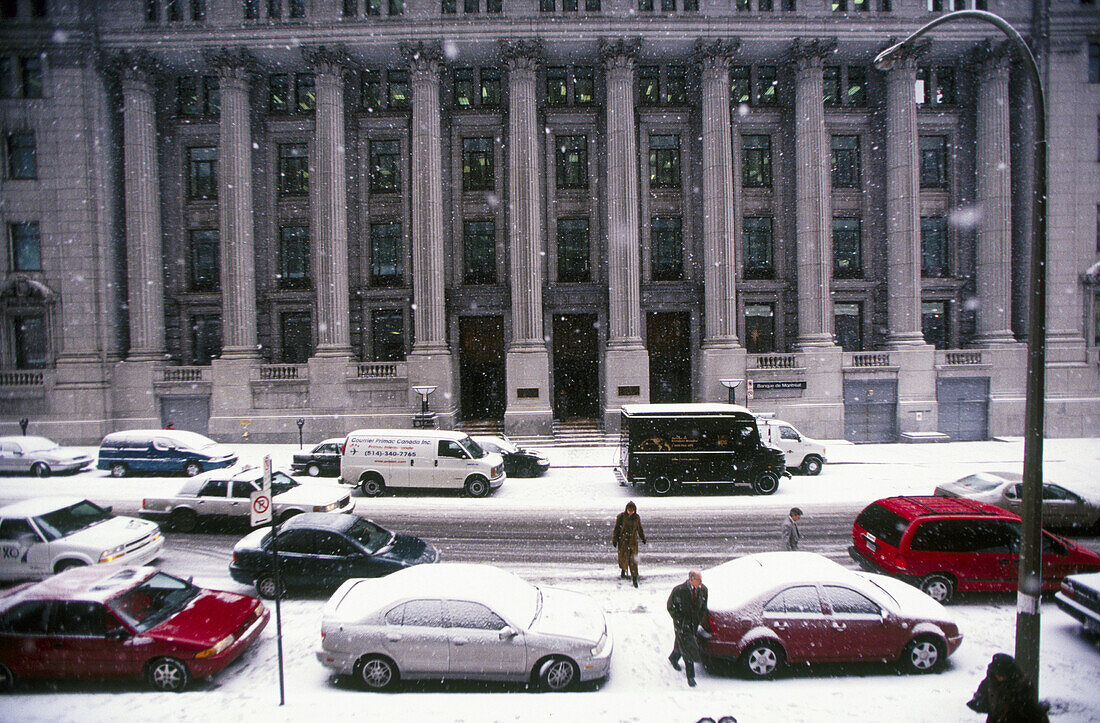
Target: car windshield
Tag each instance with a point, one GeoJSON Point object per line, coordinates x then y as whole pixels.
{"type": "Point", "coordinates": [192, 440]}
{"type": "Point", "coordinates": [67, 520]}
{"type": "Point", "coordinates": [369, 535]}
{"type": "Point", "coordinates": [977, 483]}
{"type": "Point", "coordinates": [37, 444]}
{"type": "Point", "coordinates": [153, 601]}
{"type": "Point", "coordinates": [281, 483]}
{"type": "Point", "coordinates": [472, 448]}
{"type": "Point", "coordinates": [506, 446]}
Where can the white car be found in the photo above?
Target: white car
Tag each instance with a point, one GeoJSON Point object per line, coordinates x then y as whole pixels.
{"type": "Point", "coordinates": [39, 456]}
{"type": "Point", "coordinates": [45, 535]}
{"type": "Point", "coordinates": [463, 621]}
{"type": "Point", "coordinates": [799, 451]}
{"type": "Point", "coordinates": [1061, 507]}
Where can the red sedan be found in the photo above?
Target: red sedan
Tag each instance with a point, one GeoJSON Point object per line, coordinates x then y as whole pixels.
{"type": "Point", "coordinates": [779, 608]}
{"type": "Point", "coordinates": [99, 622]}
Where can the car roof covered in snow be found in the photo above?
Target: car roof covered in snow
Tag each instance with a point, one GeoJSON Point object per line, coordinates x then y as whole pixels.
{"type": "Point", "coordinates": [92, 583]}
{"type": "Point", "coordinates": [37, 506]}
{"type": "Point", "coordinates": [733, 583]}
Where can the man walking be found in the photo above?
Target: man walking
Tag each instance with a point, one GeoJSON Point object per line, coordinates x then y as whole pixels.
{"type": "Point", "coordinates": [789, 534]}
{"type": "Point", "coordinates": [628, 530]}
{"type": "Point", "coordinates": [687, 604]}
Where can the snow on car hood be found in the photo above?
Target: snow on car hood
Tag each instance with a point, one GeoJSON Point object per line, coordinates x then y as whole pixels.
{"type": "Point", "coordinates": [110, 533]}
{"type": "Point", "coordinates": [912, 602]}
{"type": "Point", "coordinates": [569, 614]}
{"type": "Point", "coordinates": [319, 495]}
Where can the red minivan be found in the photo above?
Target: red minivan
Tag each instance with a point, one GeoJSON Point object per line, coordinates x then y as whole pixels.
{"type": "Point", "coordinates": [945, 544]}
{"type": "Point", "coordinates": [131, 622]}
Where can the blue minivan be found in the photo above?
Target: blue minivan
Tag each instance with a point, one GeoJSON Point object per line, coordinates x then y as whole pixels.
{"type": "Point", "coordinates": [162, 451]}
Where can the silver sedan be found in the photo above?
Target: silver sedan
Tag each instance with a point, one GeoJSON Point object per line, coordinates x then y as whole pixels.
{"type": "Point", "coordinates": [463, 621]}
{"type": "Point", "coordinates": [1061, 507]}
{"type": "Point", "coordinates": [38, 456]}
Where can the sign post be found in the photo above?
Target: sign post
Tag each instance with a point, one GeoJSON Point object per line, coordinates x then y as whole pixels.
{"type": "Point", "coordinates": [263, 514]}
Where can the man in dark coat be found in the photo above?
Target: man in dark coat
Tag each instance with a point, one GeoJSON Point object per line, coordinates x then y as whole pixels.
{"type": "Point", "coordinates": [1006, 695]}
{"type": "Point", "coordinates": [628, 530]}
{"type": "Point", "coordinates": [687, 604]}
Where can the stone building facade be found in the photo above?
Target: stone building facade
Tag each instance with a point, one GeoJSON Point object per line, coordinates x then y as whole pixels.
{"type": "Point", "coordinates": [234, 214]}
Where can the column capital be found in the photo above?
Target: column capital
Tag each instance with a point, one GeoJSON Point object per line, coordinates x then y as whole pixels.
{"type": "Point", "coordinates": [423, 56]}
{"type": "Point", "coordinates": [908, 59]}
{"type": "Point", "coordinates": [73, 55]}
{"type": "Point", "coordinates": [715, 53]}
{"type": "Point", "coordinates": [992, 57]}
{"type": "Point", "coordinates": [327, 59]}
{"type": "Point", "coordinates": [231, 62]}
{"type": "Point", "coordinates": [522, 53]}
{"type": "Point", "coordinates": [619, 52]}
{"type": "Point", "coordinates": [136, 66]}
{"type": "Point", "coordinates": [811, 52]}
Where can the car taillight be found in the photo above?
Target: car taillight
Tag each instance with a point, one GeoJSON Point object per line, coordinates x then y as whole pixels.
{"type": "Point", "coordinates": [234, 558]}
{"type": "Point", "coordinates": [1067, 588]}
{"type": "Point", "coordinates": [900, 563]}
{"type": "Point", "coordinates": [711, 624]}
{"type": "Point", "coordinates": [343, 447]}
{"type": "Point", "coordinates": [322, 635]}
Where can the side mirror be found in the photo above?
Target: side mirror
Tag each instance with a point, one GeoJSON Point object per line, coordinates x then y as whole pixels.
{"type": "Point", "coordinates": [118, 634]}
{"type": "Point", "coordinates": [108, 509]}
{"type": "Point", "coordinates": [507, 633]}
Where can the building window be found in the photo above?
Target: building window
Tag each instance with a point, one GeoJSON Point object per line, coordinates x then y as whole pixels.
{"type": "Point", "coordinates": [22, 156]}
{"type": "Point", "coordinates": [370, 90]}
{"type": "Point", "coordinates": [935, 86]}
{"type": "Point", "coordinates": [396, 7]}
{"type": "Point", "coordinates": [848, 325]}
{"type": "Point", "coordinates": [172, 10]}
{"type": "Point", "coordinates": [933, 246]}
{"type": "Point", "coordinates": [839, 6]}
{"type": "Point", "coordinates": [21, 77]}
{"type": "Point", "coordinates": [758, 247]}
{"type": "Point", "coordinates": [546, 6]}
{"type": "Point", "coordinates": [293, 169]}
{"type": "Point", "coordinates": [740, 85]}
{"type": "Point", "coordinates": [29, 336]}
{"type": "Point", "coordinates": [470, 7]}
{"type": "Point", "coordinates": [933, 316]}
{"type": "Point", "coordinates": [490, 88]}
{"type": "Point", "coordinates": [8, 86]}
{"type": "Point", "coordinates": [676, 87]}
{"type": "Point", "coordinates": [847, 245]}
{"type": "Point", "coordinates": [397, 88]}
{"type": "Point", "coordinates": [756, 161]}
{"type": "Point", "coordinates": [294, 257]}
{"type": "Point", "coordinates": [664, 161]}
{"type": "Point", "coordinates": [479, 252]}
{"type": "Point", "coordinates": [385, 166]}
{"type": "Point", "coordinates": [278, 93]}
{"type": "Point", "coordinates": [857, 86]}
{"type": "Point", "coordinates": [584, 86]}
{"type": "Point", "coordinates": [206, 338]}
{"type": "Point", "coordinates": [248, 7]}
{"type": "Point", "coordinates": [305, 93]}
{"type": "Point", "coordinates": [297, 8]}
{"type": "Point", "coordinates": [573, 263]}
{"type": "Point", "coordinates": [767, 85]}
{"type": "Point", "coordinates": [385, 254]}
{"type": "Point", "coordinates": [933, 162]}
{"type": "Point", "coordinates": [198, 10]}
{"type": "Point", "coordinates": [557, 89]}
{"type": "Point", "coordinates": [387, 327]}
{"type": "Point", "coordinates": [649, 85]}
{"type": "Point", "coordinates": [202, 175]}
{"type": "Point", "coordinates": [845, 161]}
{"type": "Point", "coordinates": [645, 6]}
{"type": "Point", "coordinates": [830, 76]}
{"type": "Point", "coordinates": [572, 162]}
{"type": "Point", "coordinates": [464, 87]}
{"type": "Point", "coordinates": [204, 260]}
{"type": "Point", "coordinates": [297, 336]}
{"type": "Point", "coordinates": [25, 247]}
{"type": "Point", "coordinates": [666, 248]}
{"type": "Point", "coordinates": [759, 328]}
{"type": "Point", "coordinates": [197, 97]}
{"type": "Point", "coordinates": [477, 164]}
{"type": "Point", "coordinates": [1094, 62]}
{"type": "Point", "coordinates": [152, 10]}
{"type": "Point", "coordinates": [274, 8]}
{"type": "Point", "coordinates": [448, 7]}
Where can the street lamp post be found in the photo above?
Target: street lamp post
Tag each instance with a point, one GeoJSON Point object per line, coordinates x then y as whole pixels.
{"type": "Point", "coordinates": [1029, 581]}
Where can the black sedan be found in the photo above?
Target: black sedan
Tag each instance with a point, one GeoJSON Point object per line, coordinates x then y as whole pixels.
{"type": "Point", "coordinates": [317, 551]}
{"type": "Point", "coordinates": [518, 462]}
{"type": "Point", "coordinates": [321, 461]}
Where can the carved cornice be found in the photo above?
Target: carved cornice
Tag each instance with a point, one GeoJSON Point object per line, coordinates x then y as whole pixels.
{"type": "Point", "coordinates": [136, 65]}
{"type": "Point", "coordinates": [423, 56]}
{"type": "Point", "coordinates": [709, 51]}
{"type": "Point", "coordinates": [620, 52]}
{"type": "Point", "coordinates": [811, 52]}
{"type": "Point", "coordinates": [525, 53]}
{"type": "Point", "coordinates": [992, 57]}
{"type": "Point", "coordinates": [911, 56]}
{"type": "Point", "coordinates": [232, 62]}
{"type": "Point", "coordinates": [327, 58]}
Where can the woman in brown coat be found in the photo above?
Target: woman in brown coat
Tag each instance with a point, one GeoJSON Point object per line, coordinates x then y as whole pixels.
{"type": "Point", "coordinates": [628, 530]}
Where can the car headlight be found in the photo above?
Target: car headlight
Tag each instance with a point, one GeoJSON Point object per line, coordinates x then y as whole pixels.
{"type": "Point", "coordinates": [113, 554]}
{"type": "Point", "coordinates": [598, 649]}
{"type": "Point", "coordinates": [218, 647]}
{"type": "Point", "coordinates": [326, 508]}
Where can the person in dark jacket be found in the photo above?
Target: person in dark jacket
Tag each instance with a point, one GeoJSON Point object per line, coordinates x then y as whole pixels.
{"type": "Point", "coordinates": [628, 530]}
{"type": "Point", "coordinates": [687, 604]}
{"type": "Point", "coordinates": [789, 534]}
{"type": "Point", "coordinates": [1006, 695]}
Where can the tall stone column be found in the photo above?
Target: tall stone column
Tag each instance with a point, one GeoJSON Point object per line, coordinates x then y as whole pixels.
{"type": "Point", "coordinates": [813, 196]}
{"type": "Point", "coordinates": [527, 361]}
{"type": "Point", "coordinates": [903, 277]}
{"type": "Point", "coordinates": [722, 356]}
{"type": "Point", "coordinates": [994, 257]}
{"type": "Point", "coordinates": [141, 179]}
{"type": "Point", "coordinates": [627, 371]}
{"type": "Point", "coordinates": [235, 211]}
{"type": "Point", "coordinates": [329, 212]}
{"type": "Point", "coordinates": [430, 361]}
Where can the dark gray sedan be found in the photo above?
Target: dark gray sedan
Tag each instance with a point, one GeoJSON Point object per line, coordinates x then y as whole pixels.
{"type": "Point", "coordinates": [39, 456]}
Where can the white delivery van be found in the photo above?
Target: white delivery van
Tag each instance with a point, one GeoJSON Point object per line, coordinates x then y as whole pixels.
{"type": "Point", "coordinates": [801, 452]}
{"type": "Point", "coordinates": [374, 459]}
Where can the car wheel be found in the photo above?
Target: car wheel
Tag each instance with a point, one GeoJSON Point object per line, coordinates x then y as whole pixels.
{"type": "Point", "coordinates": [661, 486]}
{"type": "Point", "coordinates": [313, 470]}
{"type": "Point", "coordinates": [192, 468]}
{"type": "Point", "coordinates": [377, 673]}
{"type": "Point", "coordinates": [265, 585]}
{"type": "Point", "coordinates": [168, 675]}
{"type": "Point", "coordinates": [287, 515]}
{"type": "Point", "coordinates": [118, 469]}
{"type": "Point", "coordinates": [811, 466]}
{"type": "Point", "coordinates": [183, 520]}
{"type": "Point", "coordinates": [923, 655]}
{"type": "Point", "coordinates": [40, 469]}
{"type": "Point", "coordinates": [477, 486]}
{"type": "Point", "coordinates": [68, 565]}
{"type": "Point", "coordinates": [765, 484]}
{"type": "Point", "coordinates": [371, 485]}
{"type": "Point", "coordinates": [938, 586]}
{"type": "Point", "coordinates": [557, 674]}
{"type": "Point", "coordinates": [7, 680]}
{"type": "Point", "coordinates": [761, 660]}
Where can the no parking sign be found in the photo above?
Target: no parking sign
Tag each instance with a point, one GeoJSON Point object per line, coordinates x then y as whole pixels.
{"type": "Point", "coordinates": [261, 499]}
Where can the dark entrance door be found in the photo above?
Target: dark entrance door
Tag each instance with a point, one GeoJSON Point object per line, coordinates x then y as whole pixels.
{"type": "Point", "coordinates": [964, 408]}
{"type": "Point", "coordinates": [668, 339]}
{"type": "Point", "coordinates": [481, 366]}
{"type": "Point", "coordinates": [576, 366]}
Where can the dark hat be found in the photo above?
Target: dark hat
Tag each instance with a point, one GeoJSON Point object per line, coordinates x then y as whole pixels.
{"type": "Point", "coordinates": [1002, 665]}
